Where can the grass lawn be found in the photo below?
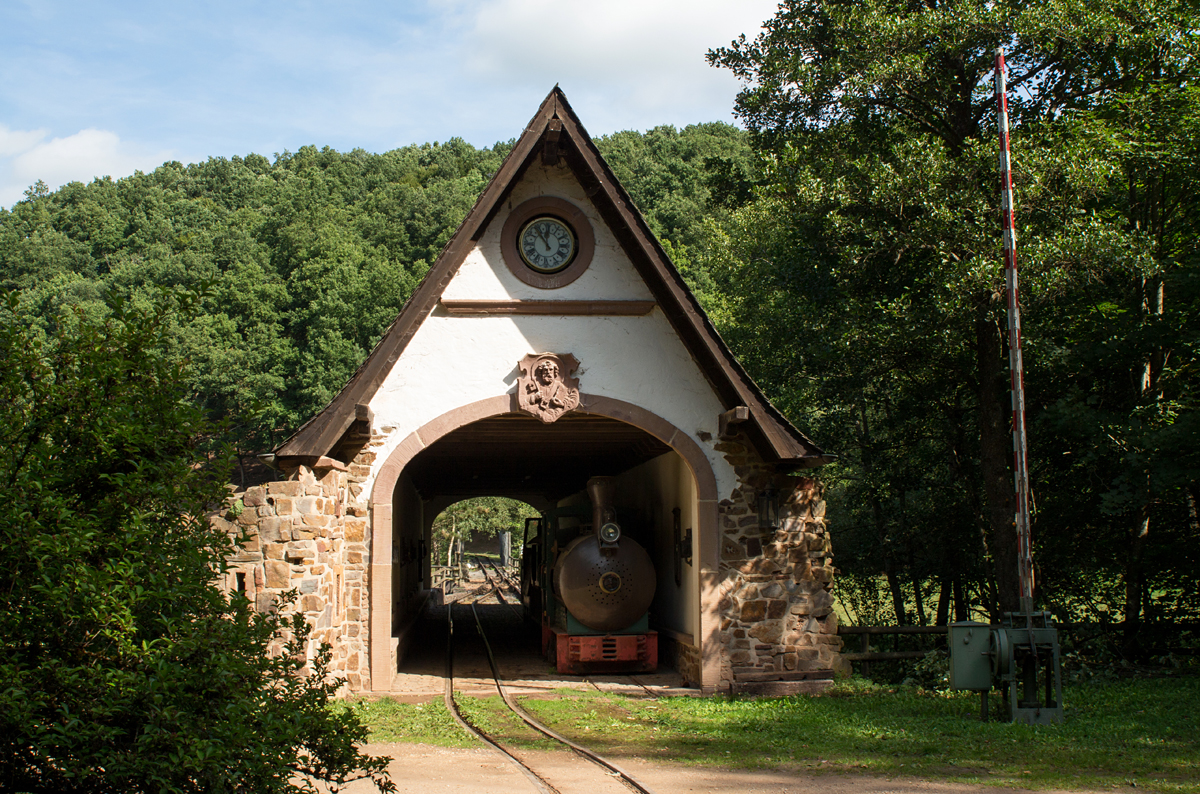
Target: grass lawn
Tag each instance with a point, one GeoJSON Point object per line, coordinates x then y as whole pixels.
{"type": "Point", "coordinates": [1132, 733]}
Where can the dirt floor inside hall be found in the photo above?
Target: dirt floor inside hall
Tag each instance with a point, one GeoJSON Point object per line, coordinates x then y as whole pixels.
{"type": "Point", "coordinates": [515, 645]}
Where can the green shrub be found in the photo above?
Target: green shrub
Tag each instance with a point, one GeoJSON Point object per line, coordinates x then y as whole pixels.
{"type": "Point", "coordinates": [123, 667]}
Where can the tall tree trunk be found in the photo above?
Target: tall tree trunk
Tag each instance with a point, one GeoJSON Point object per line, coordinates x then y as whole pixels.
{"type": "Point", "coordinates": [918, 598]}
{"type": "Point", "coordinates": [962, 609]}
{"type": "Point", "coordinates": [1153, 292]}
{"type": "Point", "coordinates": [996, 452]}
{"type": "Point", "coordinates": [959, 455]}
{"type": "Point", "coordinates": [943, 607]}
{"type": "Point", "coordinates": [877, 512]}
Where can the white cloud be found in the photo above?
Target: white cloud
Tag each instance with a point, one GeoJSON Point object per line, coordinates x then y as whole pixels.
{"type": "Point", "coordinates": [13, 142]}
{"type": "Point", "coordinates": [26, 156]}
{"type": "Point", "coordinates": [642, 54]}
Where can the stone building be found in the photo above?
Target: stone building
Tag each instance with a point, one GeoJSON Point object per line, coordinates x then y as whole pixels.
{"type": "Point", "coordinates": [532, 357]}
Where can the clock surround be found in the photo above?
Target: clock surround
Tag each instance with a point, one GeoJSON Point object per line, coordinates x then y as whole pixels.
{"type": "Point", "coordinates": [565, 212]}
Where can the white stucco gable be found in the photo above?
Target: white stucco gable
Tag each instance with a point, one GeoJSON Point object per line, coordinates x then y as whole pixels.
{"type": "Point", "coordinates": [625, 313]}
{"type": "Point", "coordinates": [611, 276]}
{"type": "Point", "coordinates": [455, 360]}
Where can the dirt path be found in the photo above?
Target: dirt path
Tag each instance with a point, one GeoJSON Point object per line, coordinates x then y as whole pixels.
{"type": "Point", "coordinates": [424, 768]}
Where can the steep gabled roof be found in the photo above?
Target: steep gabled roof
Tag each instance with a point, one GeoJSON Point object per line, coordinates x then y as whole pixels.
{"type": "Point", "coordinates": [773, 436]}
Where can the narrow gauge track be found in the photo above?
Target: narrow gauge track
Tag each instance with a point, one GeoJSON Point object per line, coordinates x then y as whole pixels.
{"type": "Point", "coordinates": [539, 783]}
{"type": "Point", "coordinates": [498, 580]}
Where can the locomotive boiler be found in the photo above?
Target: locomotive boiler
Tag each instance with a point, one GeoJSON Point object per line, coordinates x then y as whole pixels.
{"type": "Point", "coordinates": [589, 586]}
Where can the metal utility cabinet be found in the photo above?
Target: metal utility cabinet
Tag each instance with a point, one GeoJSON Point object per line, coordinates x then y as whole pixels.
{"type": "Point", "coordinates": [1011, 657]}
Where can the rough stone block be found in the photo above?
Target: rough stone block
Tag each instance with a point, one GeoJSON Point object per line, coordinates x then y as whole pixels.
{"type": "Point", "coordinates": [753, 611]}
{"type": "Point", "coordinates": [311, 603]}
{"type": "Point", "coordinates": [310, 504]}
{"type": "Point", "coordinates": [830, 624]}
{"type": "Point", "coordinates": [278, 574]}
{"type": "Point", "coordinates": [769, 632]}
{"type": "Point", "coordinates": [285, 506]}
{"type": "Point", "coordinates": [789, 661]}
{"type": "Point", "coordinates": [354, 557]}
{"type": "Point", "coordinates": [355, 530]}
{"type": "Point", "coordinates": [776, 608]}
{"type": "Point", "coordinates": [822, 604]}
{"type": "Point", "coordinates": [758, 567]}
{"type": "Point", "coordinates": [273, 551]}
{"type": "Point", "coordinates": [286, 488]}
{"type": "Point", "coordinates": [254, 497]}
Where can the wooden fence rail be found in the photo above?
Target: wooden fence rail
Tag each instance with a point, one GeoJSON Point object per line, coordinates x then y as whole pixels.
{"type": "Point", "coordinates": [865, 655]}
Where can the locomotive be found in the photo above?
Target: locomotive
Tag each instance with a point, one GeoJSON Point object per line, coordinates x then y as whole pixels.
{"type": "Point", "coordinates": [589, 586]}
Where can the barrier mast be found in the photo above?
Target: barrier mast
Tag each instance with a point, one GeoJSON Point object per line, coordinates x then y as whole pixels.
{"type": "Point", "coordinates": [1015, 365]}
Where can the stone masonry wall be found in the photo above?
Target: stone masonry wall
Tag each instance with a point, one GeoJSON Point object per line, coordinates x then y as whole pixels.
{"type": "Point", "coordinates": [776, 609]}
{"type": "Point", "coordinates": [309, 533]}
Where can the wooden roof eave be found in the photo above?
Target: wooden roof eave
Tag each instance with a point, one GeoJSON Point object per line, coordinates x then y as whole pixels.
{"type": "Point", "coordinates": [321, 433]}
{"type": "Point", "coordinates": [770, 432]}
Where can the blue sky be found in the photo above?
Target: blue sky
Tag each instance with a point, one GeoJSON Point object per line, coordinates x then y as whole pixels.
{"type": "Point", "coordinates": [104, 88]}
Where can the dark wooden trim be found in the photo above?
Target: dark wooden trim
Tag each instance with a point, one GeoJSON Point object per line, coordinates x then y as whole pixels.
{"type": "Point", "coordinates": [769, 428]}
{"type": "Point", "coordinates": [734, 416]}
{"type": "Point", "coordinates": [321, 433]}
{"type": "Point", "coordinates": [577, 308]}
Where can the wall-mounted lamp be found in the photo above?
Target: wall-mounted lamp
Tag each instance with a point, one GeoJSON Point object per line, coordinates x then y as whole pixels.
{"type": "Point", "coordinates": [768, 509]}
{"type": "Point", "coordinates": [683, 544]}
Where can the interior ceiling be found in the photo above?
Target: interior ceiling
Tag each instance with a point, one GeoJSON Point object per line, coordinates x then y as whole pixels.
{"type": "Point", "coordinates": [518, 455]}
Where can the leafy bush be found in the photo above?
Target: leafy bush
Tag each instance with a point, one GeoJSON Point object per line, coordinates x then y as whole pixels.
{"type": "Point", "coordinates": [124, 667]}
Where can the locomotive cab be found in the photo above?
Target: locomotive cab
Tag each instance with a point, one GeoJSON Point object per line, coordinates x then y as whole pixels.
{"type": "Point", "coordinates": [589, 583]}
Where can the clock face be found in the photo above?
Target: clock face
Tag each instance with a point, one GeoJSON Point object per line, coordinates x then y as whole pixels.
{"type": "Point", "coordinates": [547, 244]}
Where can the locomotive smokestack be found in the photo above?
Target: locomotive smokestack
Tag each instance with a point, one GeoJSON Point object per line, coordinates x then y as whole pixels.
{"type": "Point", "coordinates": [600, 490]}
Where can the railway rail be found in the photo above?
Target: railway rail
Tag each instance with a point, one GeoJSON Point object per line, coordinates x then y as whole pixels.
{"type": "Point", "coordinates": [499, 580]}
{"type": "Point", "coordinates": [537, 780]}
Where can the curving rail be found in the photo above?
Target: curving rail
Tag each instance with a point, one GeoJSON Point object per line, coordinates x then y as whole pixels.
{"type": "Point", "coordinates": [539, 783]}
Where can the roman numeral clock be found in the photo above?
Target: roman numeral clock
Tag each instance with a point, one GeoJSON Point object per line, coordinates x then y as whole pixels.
{"type": "Point", "coordinates": [547, 242]}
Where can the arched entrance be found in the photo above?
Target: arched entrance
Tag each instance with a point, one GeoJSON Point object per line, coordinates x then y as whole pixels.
{"type": "Point", "coordinates": [488, 448]}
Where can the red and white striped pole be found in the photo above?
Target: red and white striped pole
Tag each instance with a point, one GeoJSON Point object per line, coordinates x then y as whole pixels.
{"type": "Point", "coordinates": [1020, 461]}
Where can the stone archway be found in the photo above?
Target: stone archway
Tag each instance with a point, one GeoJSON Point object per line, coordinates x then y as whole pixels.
{"type": "Point", "coordinates": [707, 549]}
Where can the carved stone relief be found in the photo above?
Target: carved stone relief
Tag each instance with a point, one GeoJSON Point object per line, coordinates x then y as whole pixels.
{"type": "Point", "coordinates": [546, 389]}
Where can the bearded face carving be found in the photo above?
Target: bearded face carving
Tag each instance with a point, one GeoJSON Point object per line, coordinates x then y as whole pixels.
{"type": "Point", "coordinates": [546, 389]}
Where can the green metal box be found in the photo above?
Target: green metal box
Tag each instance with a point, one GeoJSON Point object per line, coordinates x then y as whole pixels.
{"type": "Point", "coordinates": [970, 665]}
